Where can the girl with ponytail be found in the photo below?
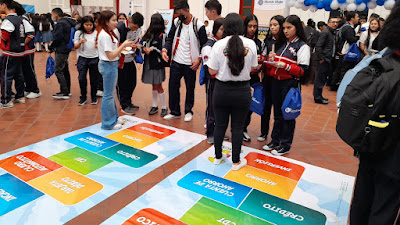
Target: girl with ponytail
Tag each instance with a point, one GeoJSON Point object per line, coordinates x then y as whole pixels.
{"type": "Point", "coordinates": [232, 59]}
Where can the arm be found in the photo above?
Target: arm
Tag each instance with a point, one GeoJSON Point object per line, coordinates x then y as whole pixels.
{"type": "Point", "coordinates": [202, 36]}
{"type": "Point", "coordinates": [350, 35]}
{"type": "Point", "coordinates": [320, 45]}
{"type": "Point", "coordinates": [170, 39]}
{"type": "Point", "coordinates": [117, 52]}
{"type": "Point", "coordinates": [58, 36]}
{"type": "Point", "coordinates": [77, 41]}
{"type": "Point", "coordinates": [29, 38]}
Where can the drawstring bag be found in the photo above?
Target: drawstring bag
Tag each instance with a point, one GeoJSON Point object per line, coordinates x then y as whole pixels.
{"type": "Point", "coordinates": [138, 57]}
{"type": "Point", "coordinates": [202, 74]}
{"type": "Point", "coordinates": [50, 67]}
{"type": "Point", "coordinates": [353, 55]}
{"type": "Point", "coordinates": [292, 104]}
{"type": "Point", "coordinates": [258, 99]}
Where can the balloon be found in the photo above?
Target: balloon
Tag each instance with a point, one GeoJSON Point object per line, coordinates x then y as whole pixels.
{"type": "Point", "coordinates": [320, 5]}
{"type": "Point", "coordinates": [298, 5]}
{"type": "Point", "coordinates": [350, 1]}
{"type": "Point", "coordinates": [351, 7]}
{"type": "Point", "coordinates": [314, 2]}
{"type": "Point", "coordinates": [305, 8]}
{"type": "Point", "coordinates": [335, 5]}
{"type": "Point", "coordinates": [343, 6]}
{"type": "Point", "coordinates": [301, 1]}
{"type": "Point", "coordinates": [307, 3]}
{"type": "Point", "coordinates": [380, 2]}
{"type": "Point", "coordinates": [359, 2]}
{"type": "Point", "coordinates": [291, 3]}
{"type": "Point", "coordinates": [366, 1]}
{"type": "Point", "coordinates": [371, 5]}
{"type": "Point", "coordinates": [342, 1]}
{"type": "Point", "coordinates": [361, 7]}
{"type": "Point", "coordinates": [328, 8]}
{"type": "Point", "coordinates": [313, 8]}
{"type": "Point", "coordinates": [389, 4]}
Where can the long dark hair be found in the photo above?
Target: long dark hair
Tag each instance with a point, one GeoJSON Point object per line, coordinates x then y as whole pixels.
{"type": "Point", "coordinates": [157, 27]}
{"type": "Point", "coordinates": [122, 14]}
{"type": "Point", "coordinates": [296, 22]}
{"type": "Point", "coordinates": [217, 24]}
{"type": "Point", "coordinates": [280, 19]}
{"type": "Point", "coordinates": [391, 31]}
{"type": "Point", "coordinates": [246, 23]}
{"type": "Point", "coordinates": [233, 25]}
{"type": "Point", "coordinates": [105, 17]}
{"type": "Point", "coordinates": [84, 20]}
{"type": "Point", "coordinates": [370, 31]}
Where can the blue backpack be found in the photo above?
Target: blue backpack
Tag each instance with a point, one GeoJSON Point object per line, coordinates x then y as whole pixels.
{"type": "Point", "coordinates": [258, 99]}
{"type": "Point", "coordinates": [353, 55]}
{"type": "Point", "coordinates": [202, 74]}
{"type": "Point", "coordinates": [70, 44]}
{"type": "Point", "coordinates": [292, 104]}
{"type": "Point", "coordinates": [50, 67]}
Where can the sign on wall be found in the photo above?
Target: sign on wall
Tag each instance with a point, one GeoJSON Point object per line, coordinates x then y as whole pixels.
{"type": "Point", "coordinates": [29, 8]}
{"type": "Point", "coordinates": [269, 4]}
{"type": "Point", "coordinates": [168, 16]}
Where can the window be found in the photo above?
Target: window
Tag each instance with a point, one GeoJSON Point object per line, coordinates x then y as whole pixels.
{"type": "Point", "coordinates": [75, 2]}
{"type": "Point", "coordinates": [246, 8]}
{"type": "Point", "coordinates": [172, 6]}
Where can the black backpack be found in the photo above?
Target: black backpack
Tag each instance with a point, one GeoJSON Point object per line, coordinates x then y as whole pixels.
{"type": "Point", "coordinates": [369, 114]}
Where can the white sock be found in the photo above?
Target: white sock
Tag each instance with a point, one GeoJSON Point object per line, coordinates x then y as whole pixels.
{"type": "Point", "coordinates": [155, 95]}
{"type": "Point", "coordinates": [162, 100]}
{"type": "Point", "coordinates": [46, 46]}
{"type": "Point", "coordinates": [37, 44]}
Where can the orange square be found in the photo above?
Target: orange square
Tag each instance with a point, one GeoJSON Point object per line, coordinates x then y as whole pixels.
{"type": "Point", "coordinates": [152, 130]}
{"type": "Point", "coordinates": [132, 138]}
{"type": "Point", "coordinates": [151, 216]}
{"type": "Point", "coordinates": [28, 165]}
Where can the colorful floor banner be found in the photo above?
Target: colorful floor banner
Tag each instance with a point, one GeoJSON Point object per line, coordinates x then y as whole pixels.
{"type": "Point", "coordinates": [269, 190]}
{"type": "Point", "coordinates": [55, 180]}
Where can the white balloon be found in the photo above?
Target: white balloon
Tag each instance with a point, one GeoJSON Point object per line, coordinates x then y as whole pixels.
{"type": "Point", "coordinates": [350, 1]}
{"type": "Point", "coordinates": [373, 0]}
{"type": "Point", "coordinates": [389, 4]}
{"type": "Point", "coordinates": [305, 8]}
{"type": "Point", "coordinates": [361, 7]}
{"type": "Point", "coordinates": [335, 5]}
{"type": "Point", "coordinates": [313, 8]}
{"type": "Point", "coordinates": [301, 1]}
{"type": "Point", "coordinates": [298, 5]}
{"type": "Point", "coordinates": [343, 6]}
{"type": "Point", "coordinates": [291, 3]}
{"type": "Point", "coordinates": [351, 7]}
{"type": "Point", "coordinates": [372, 5]}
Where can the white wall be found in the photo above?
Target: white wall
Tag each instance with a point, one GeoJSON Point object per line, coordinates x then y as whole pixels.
{"type": "Point", "coordinates": [45, 6]}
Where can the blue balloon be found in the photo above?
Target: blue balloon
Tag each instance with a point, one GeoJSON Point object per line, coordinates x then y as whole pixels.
{"type": "Point", "coordinates": [359, 2]}
{"type": "Point", "coordinates": [380, 2]}
{"type": "Point", "coordinates": [366, 1]}
{"type": "Point", "coordinates": [328, 8]}
{"type": "Point", "coordinates": [307, 2]}
{"type": "Point", "coordinates": [342, 1]}
{"type": "Point", "coordinates": [314, 2]}
{"type": "Point", "coordinates": [320, 5]}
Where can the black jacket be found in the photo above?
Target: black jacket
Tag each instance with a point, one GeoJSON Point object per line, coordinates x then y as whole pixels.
{"type": "Point", "coordinates": [349, 34]}
{"type": "Point", "coordinates": [325, 43]}
{"type": "Point", "coordinates": [61, 35]}
{"type": "Point", "coordinates": [154, 58]}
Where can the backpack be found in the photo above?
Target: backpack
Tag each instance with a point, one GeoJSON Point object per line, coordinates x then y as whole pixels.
{"type": "Point", "coordinates": [70, 44]}
{"type": "Point", "coordinates": [368, 120]}
{"type": "Point", "coordinates": [339, 42]}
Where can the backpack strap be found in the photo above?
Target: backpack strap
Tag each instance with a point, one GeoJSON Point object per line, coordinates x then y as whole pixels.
{"type": "Point", "coordinates": [196, 31]}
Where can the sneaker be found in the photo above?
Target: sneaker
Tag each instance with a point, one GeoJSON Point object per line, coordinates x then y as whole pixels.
{"type": "Point", "coordinates": [164, 112]}
{"type": "Point", "coordinates": [94, 102]}
{"type": "Point", "coordinates": [218, 161]}
{"type": "Point", "coordinates": [323, 101]}
{"type": "Point", "coordinates": [20, 100]}
{"type": "Point", "coordinates": [8, 105]}
{"type": "Point", "coordinates": [82, 102]}
{"type": "Point", "coordinates": [120, 121]}
{"type": "Point", "coordinates": [205, 126]}
{"type": "Point", "coordinates": [69, 94]}
{"type": "Point", "coordinates": [128, 111]}
{"type": "Point", "coordinates": [153, 110]}
{"type": "Point", "coordinates": [242, 163]}
{"type": "Point", "coordinates": [210, 140]}
{"type": "Point", "coordinates": [262, 137]}
{"type": "Point", "coordinates": [280, 151]}
{"type": "Point", "coordinates": [117, 126]}
{"type": "Point", "coordinates": [188, 117]}
{"type": "Point", "coordinates": [170, 117]}
{"type": "Point", "coordinates": [135, 107]}
{"type": "Point", "coordinates": [61, 96]}
{"type": "Point", "coordinates": [34, 95]}
{"type": "Point", "coordinates": [271, 146]}
{"type": "Point", "coordinates": [99, 93]}
{"type": "Point", "coordinates": [226, 137]}
{"type": "Point", "coordinates": [246, 137]}
{"type": "Point", "coordinates": [26, 93]}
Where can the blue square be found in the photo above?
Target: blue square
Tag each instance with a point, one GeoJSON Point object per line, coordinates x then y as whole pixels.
{"type": "Point", "coordinates": [15, 193]}
{"type": "Point", "coordinates": [91, 142]}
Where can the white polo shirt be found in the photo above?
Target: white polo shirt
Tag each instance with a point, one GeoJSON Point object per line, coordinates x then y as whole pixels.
{"type": "Point", "coordinates": [106, 44]}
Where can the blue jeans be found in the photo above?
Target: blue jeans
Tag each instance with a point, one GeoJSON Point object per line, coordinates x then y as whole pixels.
{"type": "Point", "coordinates": [109, 112]}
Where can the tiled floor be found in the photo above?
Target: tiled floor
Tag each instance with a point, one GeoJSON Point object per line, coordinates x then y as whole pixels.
{"type": "Point", "coordinates": [315, 142]}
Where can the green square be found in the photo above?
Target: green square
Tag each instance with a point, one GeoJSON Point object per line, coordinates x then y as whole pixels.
{"type": "Point", "coordinates": [129, 156]}
{"type": "Point", "coordinates": [80, 160]}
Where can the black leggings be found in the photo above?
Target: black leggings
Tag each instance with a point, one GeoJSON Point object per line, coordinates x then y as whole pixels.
{"type": "Point", "coordinates": [230, 99]}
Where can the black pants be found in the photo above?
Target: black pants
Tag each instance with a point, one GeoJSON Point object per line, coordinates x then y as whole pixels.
{"type": "Point", "coordinates": [210, 111]}
{"type": "Point", "coordinates": [341, 70]}
{"type": "Point", "coordinates": [376, 198]}
{"type": "Point", "coordinates": [83, 65]}
{"type": "Point", "coordinates": [283, 131]}
{"type": "Point", "coordinates": [254, 79]}
{"type": "Point", "coordinates": [126, 84]}
{"type": "Point", "coordinates": [267, 82]}
{"type": "Point", "coordinates": [231, 99]}
{"type": "Point", "coordinates": [323, 72]}
{"type": "Point", "coordinates": [61, 69]}
{"type": "Point", "coordinates": [176, 73]}
{"type": "Point", "coordinates": [11, 70]}
{"type": "Point", "coordinates": [28, 69]}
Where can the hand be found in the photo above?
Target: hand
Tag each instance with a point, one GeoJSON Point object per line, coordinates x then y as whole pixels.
{"type": "Point", "coordinates": [366, 53]}
{"type": "Point", "coordinates": [279, 65]}
{"type": "Point", "coordinates": [165, 56]}
{"type": "Point", "coordinates": [147, 50]}
{"type": "Point", "coordinates": [321, 61]}
{"type": "Point", "coordinates": [83, 40]}
{"type": "Point", "coordinates": [195, 65]}
{"type": "Point", "coordinates": [127, 43]}
{"type": "Point", "coordinates": [272, 56]}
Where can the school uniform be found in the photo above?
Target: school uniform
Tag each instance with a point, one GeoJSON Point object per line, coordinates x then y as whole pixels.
{"type": "Point", "coordinates": [232, 94]}
{"type": "Point", "coordinates": [88, 60]}
{"type": "Point", "coordinates": [13, 46]}
{"type": "Point", "coordinates": [28, 66]}
{"type": "Point", "coordinates": [154, 67]}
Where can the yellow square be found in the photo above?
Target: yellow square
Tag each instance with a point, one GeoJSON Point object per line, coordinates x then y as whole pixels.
{"type": "Point", "coordinates": [132, 138]}
{"type": "Point", "coordinates": [264, 181]}
{"type": "Point", "coordinates": [66, 186]}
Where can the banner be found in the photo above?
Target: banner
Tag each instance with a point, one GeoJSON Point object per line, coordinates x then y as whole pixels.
{"type": "Point", "coordinates": [76, 10]}
{"type": "Point", "coordinates": [168, 16]}
{"type": "Point", "coordinates": [29, 8]}
{"type": "Point", "coordinates": [269, 5]}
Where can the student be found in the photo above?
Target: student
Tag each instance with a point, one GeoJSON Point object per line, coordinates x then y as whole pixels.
{"type": "Point", "coordinates": [368, 37]}
{"type": "Point", "coordinates": [46, 28]}
{"type": "Point", "coordinates": [292, 57]}
{"type": "Point", "coordinates": [217, 34]}
{"type": "Point", "coordinates": [99, 93]}
{"type": "Point", "coordinates": [61, 36]}
{"type": "Point", "coordinates": [122, 17]}
{"type": "Point", "coordinates": [13, 46]}
{"type": "Point", "coordinates": [127, 79]}
{"type": "Point", "coordinates": [251, 32]}
{"type": "Point", "coordinates": [275, 28]}
{"type": "Point", "coordinates": [322, 25]}
{"type": "Point", "coordinates": [107, 43]}
{"type": "Point", "coordinates": [153, 68]}
{"type": "Point", "coordinates": [213, 9]}
{"type": "Point", "coordinates": [88, 59]}
{"type": "Point", "coordinates": [232, 60]}
{"type": "Point", "coordinates": [184, 42]}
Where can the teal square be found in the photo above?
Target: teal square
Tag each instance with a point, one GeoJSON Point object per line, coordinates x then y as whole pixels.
{"type": "Point", "coordinates": [129, 156]}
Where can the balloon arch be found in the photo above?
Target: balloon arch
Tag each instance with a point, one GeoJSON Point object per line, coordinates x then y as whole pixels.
{"type": "Point", "coordinates": [345, 5]}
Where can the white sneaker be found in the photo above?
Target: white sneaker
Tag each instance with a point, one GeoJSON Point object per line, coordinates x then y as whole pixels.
{"type": "Point", "coordinates": [262, 137]}
{"type": "Point", "coordinates": [117, 126]}
{"type": "Point", "coordinates": [20, 100]}
{"type": "Point", "coordinates": [218, 161]}
{"type": "Point", "coordinates": [26, 93]}
{"type": "Point", "coordinates": [243, 162]}
{"type": "Point", "coordinates": [170, 117]}
{"type": "Point", "coordinates": [120, 121]}
{"type": "Point", "coordinates": [8, 105]}
{"type": "Point", "coordinates": [246, 137]}
{"type": "Point", "coordinates": [205, 126]}
{"type": "Point", "coordinates": [188, 117]}
{"type": "Point", "coordinates": [34, 95]}
{"type": "Point", "coordinates": [99, 93]}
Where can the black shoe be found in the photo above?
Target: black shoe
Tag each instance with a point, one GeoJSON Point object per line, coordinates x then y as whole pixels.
{"type": "Point", "coordinates": [61, 96]}
{"type": "Point", "coordinates": [164, 112]}
{"type": "Point", "coordinates": [323, 101]}
{"type": "Point", "coordinates": [280, 151]}
{"type": "Point", "coordinates": [94, 101]}
{"type": "Point", "coordinates": [271, 146]}
{"type": "Point", "coordinates": [128, 111]}
{"type": "Point", "coordinates": [153, 110]}
{"type": "Point", "coordinates": [246, 137]}
{"type": "Point", "coordinates": [135, 107]}
{"type": "Point", "coordinates": [262, 137]}
{"type": "Point", "coordinates": [82, 102]}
